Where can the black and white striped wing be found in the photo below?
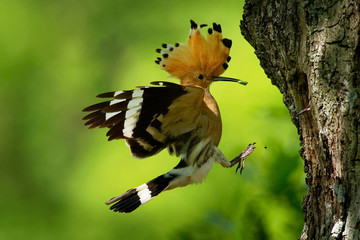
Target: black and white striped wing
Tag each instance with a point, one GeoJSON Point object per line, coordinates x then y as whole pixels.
{"type": "Point", "coordinates": [136, 116]}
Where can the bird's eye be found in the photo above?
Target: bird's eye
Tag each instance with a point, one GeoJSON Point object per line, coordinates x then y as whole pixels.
{"type": "Point", "coordinates": [200, 76]}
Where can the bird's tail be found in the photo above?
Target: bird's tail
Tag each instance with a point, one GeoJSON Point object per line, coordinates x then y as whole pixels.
{"type": "Point", "coordinates": [138, 196]}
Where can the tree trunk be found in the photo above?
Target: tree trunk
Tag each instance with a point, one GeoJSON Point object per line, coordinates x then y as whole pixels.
{"type": "Point", "coordinates": [310, 50]}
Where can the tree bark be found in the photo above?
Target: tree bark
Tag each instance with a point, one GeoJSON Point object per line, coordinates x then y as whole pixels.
{"type": "Point", "coordinates": [310, 50]}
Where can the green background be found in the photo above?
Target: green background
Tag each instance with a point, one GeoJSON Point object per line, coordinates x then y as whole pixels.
{"type": "Point", "coordinates": [55, 56]}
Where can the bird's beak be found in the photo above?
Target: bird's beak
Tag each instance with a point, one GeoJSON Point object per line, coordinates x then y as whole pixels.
{"type": "Point", "coordinates": [226, 79]}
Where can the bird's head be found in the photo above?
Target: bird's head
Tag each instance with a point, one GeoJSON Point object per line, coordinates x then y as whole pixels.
{"type": "Point", "coordinates": [199, 62]}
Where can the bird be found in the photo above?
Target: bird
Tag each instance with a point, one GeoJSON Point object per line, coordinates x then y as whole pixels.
{"type": "Point", "coordinates": [184, 118]}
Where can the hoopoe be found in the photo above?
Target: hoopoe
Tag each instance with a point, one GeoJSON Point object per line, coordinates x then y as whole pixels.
{"type": "Point", "coordinates": [183, 118]}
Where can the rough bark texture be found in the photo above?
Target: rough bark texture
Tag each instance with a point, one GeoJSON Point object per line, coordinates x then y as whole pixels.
{"type": "Point", "coordinates": [310, 50]}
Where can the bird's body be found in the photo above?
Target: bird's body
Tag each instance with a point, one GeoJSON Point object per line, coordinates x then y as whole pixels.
{"type": "Point", "coordinates": [183, 118]}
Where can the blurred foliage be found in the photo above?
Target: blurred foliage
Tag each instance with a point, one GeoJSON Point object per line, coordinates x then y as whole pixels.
{"type": "Point", "coordinates": [56, 175]}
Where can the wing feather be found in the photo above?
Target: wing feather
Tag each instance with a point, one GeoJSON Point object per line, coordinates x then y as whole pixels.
{"type": "Point", "coordinates": [149, 118]}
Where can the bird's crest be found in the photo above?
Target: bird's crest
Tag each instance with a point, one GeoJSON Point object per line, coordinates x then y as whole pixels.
{"type": "Point", "coordinates": [200, 59]}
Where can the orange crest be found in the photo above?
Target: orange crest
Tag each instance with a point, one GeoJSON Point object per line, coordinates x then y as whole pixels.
{"type": "Point", "coordinates": [198, 61]}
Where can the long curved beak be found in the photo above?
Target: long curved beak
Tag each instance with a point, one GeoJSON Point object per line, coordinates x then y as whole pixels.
{"type": "Point", "coordinates": [226, 79]}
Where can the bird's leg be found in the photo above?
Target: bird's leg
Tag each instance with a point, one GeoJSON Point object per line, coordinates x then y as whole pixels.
{"type": "Point", "coordinates": [240, 159]}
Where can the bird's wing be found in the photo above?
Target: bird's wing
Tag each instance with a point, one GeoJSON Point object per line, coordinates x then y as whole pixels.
{"type": "Point", "coordinates": [149, 118]}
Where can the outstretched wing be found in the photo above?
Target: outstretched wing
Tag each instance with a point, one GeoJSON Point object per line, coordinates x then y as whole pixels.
{"type": "Point", "coordinates": [149, 118]}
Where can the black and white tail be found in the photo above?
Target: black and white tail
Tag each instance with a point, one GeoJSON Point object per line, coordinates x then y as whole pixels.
{"type": "Point", "coordinates": [138, 196]}
{"type": "Point", "coordinates": [181, 175]}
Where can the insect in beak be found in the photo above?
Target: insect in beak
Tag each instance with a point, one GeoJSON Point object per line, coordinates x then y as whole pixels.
{"type": "Point", "coordinates": [227, 79]}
